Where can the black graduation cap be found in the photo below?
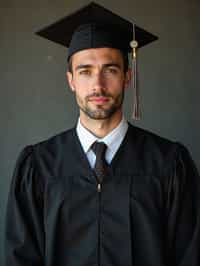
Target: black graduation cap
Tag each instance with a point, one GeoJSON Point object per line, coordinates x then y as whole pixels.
{"type": "Point", "coordinates": [94, 26]}
{"type": "Point", "coordinates": [89, 27]}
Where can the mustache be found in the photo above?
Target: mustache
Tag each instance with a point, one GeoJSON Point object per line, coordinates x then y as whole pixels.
{"type": "Point", "coordinates": [95, 94]}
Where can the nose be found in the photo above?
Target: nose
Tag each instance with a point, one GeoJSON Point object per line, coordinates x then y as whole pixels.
{"type": "Point", "coordinates": [98, 82]}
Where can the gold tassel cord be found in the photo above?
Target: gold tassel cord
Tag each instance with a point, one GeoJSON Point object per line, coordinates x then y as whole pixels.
{"type": "Point", "coordinates": [136, 101]}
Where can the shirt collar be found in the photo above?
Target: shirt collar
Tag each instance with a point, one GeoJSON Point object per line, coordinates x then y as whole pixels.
{"type": "Point", "coordinates": [87, 138]}
{"type": "Point", "coordinates": [114, 138]}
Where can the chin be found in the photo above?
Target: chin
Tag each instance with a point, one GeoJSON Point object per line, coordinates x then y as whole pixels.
{"type": "Point", "coordinates": [100, 114]}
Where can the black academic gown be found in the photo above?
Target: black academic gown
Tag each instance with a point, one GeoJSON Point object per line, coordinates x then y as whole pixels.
{"type": "Point", "coordinates": [146, 214]}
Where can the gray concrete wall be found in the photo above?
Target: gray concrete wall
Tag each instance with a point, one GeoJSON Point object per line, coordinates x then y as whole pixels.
{"type": "Point", "coordinates": [35, 102]}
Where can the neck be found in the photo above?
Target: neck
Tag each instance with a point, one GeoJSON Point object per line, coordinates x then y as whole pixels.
{"type": "Point", "coordinates": [101, 127]}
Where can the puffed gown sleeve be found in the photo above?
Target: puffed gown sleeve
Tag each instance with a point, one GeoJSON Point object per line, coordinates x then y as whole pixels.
{"type": "Point", "coordinates": [183, 212]}
{"type": "Point", "coordinates": [24, 233]}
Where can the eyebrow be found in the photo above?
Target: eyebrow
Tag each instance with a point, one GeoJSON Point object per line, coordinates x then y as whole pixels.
{"type": "Point", "coordinates": [112, 65]}
{"type": "Point", "coordinates": [82, 66]}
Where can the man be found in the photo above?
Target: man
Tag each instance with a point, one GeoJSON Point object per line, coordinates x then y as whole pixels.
{"type": "Point", "coordinates": [104, 193]}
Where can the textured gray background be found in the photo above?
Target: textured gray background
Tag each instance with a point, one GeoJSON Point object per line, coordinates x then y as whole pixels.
{"type": "Point", "coordinates": [35, 102]}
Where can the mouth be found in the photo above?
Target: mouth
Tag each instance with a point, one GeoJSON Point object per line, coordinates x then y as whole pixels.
{"type": "Point", "coordinates": [99, 99]}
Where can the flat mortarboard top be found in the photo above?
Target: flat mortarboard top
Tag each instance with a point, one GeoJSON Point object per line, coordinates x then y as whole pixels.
{"type": "Point", "coordinates": [93, 26]}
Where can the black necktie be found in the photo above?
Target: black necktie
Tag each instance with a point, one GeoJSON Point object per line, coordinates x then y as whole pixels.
{"type": "Point", "coordinates": [100, 168]}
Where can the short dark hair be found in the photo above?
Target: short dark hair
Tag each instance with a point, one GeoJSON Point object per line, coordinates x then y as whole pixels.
{"type": "Point", "coordinates": [124, 56]}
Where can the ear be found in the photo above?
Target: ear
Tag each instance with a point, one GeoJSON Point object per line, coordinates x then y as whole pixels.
{"type": "Point", "coordinates": [69, 77]}
{"type": "Point", "coordinates": [128, 77]}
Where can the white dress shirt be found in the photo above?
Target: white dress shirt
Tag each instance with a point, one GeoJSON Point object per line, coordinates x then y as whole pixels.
{"type": "Point", "coordinates": [113, 140]}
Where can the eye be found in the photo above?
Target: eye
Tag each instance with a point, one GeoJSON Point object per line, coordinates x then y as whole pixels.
{"type": "Point", "coordinates": [85, 72]}
{"type": "Point", "coordinates": [111, 70]}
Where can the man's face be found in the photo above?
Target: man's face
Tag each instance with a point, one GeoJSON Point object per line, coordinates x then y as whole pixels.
{"type": "Point", "coordinates": [98, 81]}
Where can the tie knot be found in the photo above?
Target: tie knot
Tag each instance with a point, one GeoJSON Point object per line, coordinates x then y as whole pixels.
{"type": "Point", "coordinates": [99, 148]}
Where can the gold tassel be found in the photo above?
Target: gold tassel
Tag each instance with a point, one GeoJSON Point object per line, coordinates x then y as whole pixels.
{"type": "Point", "coordinates": [136, 115]}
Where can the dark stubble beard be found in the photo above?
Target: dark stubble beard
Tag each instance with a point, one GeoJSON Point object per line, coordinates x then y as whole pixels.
{"type": "Point", "coordinates": [100, 112]}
